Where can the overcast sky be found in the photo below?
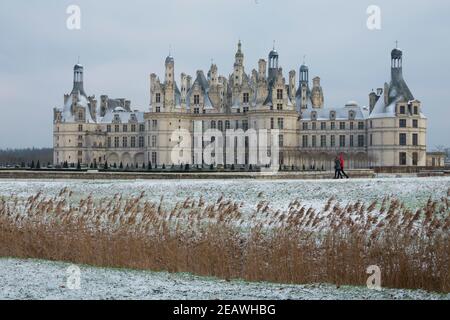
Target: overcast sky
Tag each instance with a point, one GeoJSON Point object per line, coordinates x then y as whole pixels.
{"type": "Point", "coordinates": [121, 42]}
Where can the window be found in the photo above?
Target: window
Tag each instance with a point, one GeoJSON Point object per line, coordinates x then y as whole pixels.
{"type": "Point", "coordinates": [415, 139]}
{"type": "Point", "coordinates": [116, 128]}
{"type": "Point", "coordinates": [196, 111]}
{"type": "Point", "coordinates": [227, 125]}
{"type": "Point", "coordinates": [305, 141]}
{"type": "Point", "coordinates": [352, 143]}
{"type": "Point", "coordinates": [245, 125]}
{"type": "Point", "coordinates": [155, 125]}
{"type": "Point", "coordinates": [196, 99]}
{"type": "Point", "coordinates": [333, 141]}
{"type": "Point", "coordinates": [280, 123]}
{"type": "Point", "coordinates": [313, 141]}
{"type": "Point", "coordinates": [133, 128]}
{"type": "Point", "coordinates": [415, 123]}
{"type": "Point", "coordinates": [154, 157]}
{"type": "Point", "coordinates": [342, 125]}
{"type": "Point", "coordinates": [280, 94]}
{"type": "Point", "coordinates": [360, 141]}
{"type": "Point", "coordinates": [142, 127]}
{"type": "Point", "coordinates": [245, 109]}
{"type": "Point", "coordinates": [213, 124]}
{"type": "Point", "coordinates": [314, 126]}
{"type": "Point", "coordinates": [116, 142]}
{"type": "Point", "coordinates": [402, 110]}
{"type": "Point", "coordinates": [246, 97]}
{"type": "Point", "coordinates": [153, 141]}
{"type": "Point", "coordinates": [141, 142]}
{"type": "Point", "coordinates": [371, 139]}
{"type": "Point", "coordinates": [402, 123]}
{"type": "Point", "coordinates": [342, 141]}
{"type": "Point", "coordinates": [415, 159]}
{"type": "Point", "coordinates": [281, 140]}
{"type": "Point", "coordinates": [133, 142]}
{"type": "Point", "coordinates": [323, 141]}
{"type": "Point", "coordinates": [158, 98]}
{"type": "Point", "coordinates": [305, 125]}
{"type": "Point", "coordinates": [80, 115]}
{"type": "Point", "coordinates": [333, 126]}
{"type": "Point", "coordinates": [402, 158]}
{"type": "Point", "coordinates": [220, 125]}
{"type": "Point", "coordinates": [352, 126]}
{"type": "Point", "coordinates": [279, 107]}
{"type": "Point", "coordinates": [125, 142]}
{"type": "Point", "coordinates": [158, 109]}
{"type": "Point", "coordinates": [125, 128]}
{"type": "Point", "coordinates": [323, 126]}
{"type": "Point", "coordinates": [360, 125]}
{"type": "Point", "coordinates": [108, 128]}
{"type": "Point", "coordinates": [109, 142]}
{"type": "Point", "coordinates": [416, 110]}
{"type": "Point", "coordinates": [80, 128]}
{"type": "Point", "coordinates": [402, 139]}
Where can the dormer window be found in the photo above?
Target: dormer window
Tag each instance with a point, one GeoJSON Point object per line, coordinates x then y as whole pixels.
{"type": "Point", "coordinates": [351, 115]}
{"type": "Point", "coordinates": [246, 97]}
{"type": "Point", "coordinates": [280, 94]}
{"type": "Point", "coordinates": [333, 115]}
{"type": "Point", "coordinates": [314, 115]}
{"type": "Point", "coordinates": [196, 99]}
{"type": "Point", "coordinates": [80, 115]}
{"type": "Point", "coordinates": [158, 98]}
{"type": "Point", "coordinates": [402, 110]}
{"type": "Point", "coordinates": [416, 110]}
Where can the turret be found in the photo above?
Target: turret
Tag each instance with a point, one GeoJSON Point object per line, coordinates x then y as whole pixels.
{"type": "Point", "coordinates": [78, 74]}
{"type": "Point", "coordinates": [273, 64]}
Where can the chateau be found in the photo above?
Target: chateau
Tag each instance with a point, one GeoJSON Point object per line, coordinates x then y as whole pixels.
{"type": "Point", "coordinates": [389, 132]}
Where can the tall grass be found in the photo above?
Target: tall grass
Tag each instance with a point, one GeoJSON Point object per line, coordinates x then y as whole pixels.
{"type": "Point", "coordinates": [296, 245]}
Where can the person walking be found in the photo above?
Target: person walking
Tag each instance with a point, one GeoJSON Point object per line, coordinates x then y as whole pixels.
{"type": "Point", "coordinates": [342, 163]}
{"type": "Point", "coordinates": [337, 168]}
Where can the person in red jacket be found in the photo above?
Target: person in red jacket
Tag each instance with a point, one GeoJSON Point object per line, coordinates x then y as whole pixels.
{"type": "Point", "coordinates": [341, 159]}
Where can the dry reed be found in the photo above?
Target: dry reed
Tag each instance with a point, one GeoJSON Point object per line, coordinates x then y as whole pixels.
{"type": "Point", "coordinates": [298, 245]}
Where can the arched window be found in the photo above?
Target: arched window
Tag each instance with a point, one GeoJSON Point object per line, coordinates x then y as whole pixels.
{"type": "Point", "coordinates": [213, 124]}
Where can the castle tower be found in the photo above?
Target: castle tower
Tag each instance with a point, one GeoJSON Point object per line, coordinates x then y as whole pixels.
{"type": "Point", "coordinates": [78, 74]}
{"type": "Point", "coordinates": [273, 64]}
{"type": "Point", "coordinates": [398, 87]}
{"type": "Point", "coordinates": [303, 92]}
{"type": "Point", "coordinates": [238, 66]}
{"type": "Point", "coordinates": [170, 69]}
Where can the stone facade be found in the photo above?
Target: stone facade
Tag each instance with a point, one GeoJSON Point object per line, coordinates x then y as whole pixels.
{"type": "Point", "coordinates": [390, 131]}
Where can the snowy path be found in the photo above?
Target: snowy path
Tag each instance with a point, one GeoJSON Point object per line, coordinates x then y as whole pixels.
{"type": "Point", "coordinates": [33, 279]}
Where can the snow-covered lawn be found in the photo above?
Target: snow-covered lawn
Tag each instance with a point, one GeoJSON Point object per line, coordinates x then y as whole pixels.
{"type": "Point", "coordinates": [35, 279]}
{"type": "Point", "coordinates": [412, 191]}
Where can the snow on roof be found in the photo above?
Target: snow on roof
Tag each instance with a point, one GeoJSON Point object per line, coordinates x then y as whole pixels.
{"type": "Point", "coordinates": [360, 113]}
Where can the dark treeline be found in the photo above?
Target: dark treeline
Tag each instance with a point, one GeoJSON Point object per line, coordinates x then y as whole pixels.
{"type": "Point", "coordinates": [20, 156]}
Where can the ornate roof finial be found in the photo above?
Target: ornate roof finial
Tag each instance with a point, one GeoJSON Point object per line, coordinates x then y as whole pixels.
{"type": "Point", "coordinates": [170, 50]}
{"type": "Point", "coordinates": [273, 44]}
{"type": "Point", "coordinates": [304, 59]}
{"type": "Point", "coordinates": [396, 44]}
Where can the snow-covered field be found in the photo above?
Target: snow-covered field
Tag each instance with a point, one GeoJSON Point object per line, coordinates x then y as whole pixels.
{"type": "Point", "coordinates": [31, 279]}
{"type": "Point", "coordinates": [35, 279]}
{"type": "Point", "coordinates": [315, 193]}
